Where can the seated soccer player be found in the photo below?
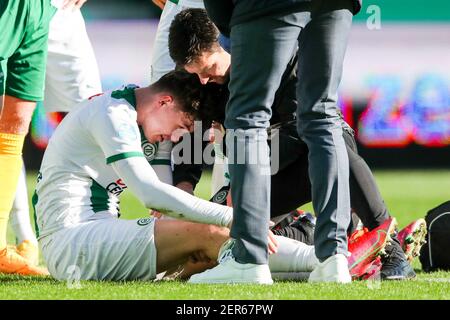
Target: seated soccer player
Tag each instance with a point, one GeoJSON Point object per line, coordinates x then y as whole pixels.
{"type": "Point", "coordinates": [96, 153]}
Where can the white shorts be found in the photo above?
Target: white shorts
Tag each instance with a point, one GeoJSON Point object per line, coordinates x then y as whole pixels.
{"type": "Point", "coordinates": [161, 62]}
{"type": "Point", "coordinates": [105, 249]}
{"type": "Point", "coordinates": [72, 72]}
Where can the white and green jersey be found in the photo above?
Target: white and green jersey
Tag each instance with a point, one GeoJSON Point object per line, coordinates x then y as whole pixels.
{"type": "Point", "coordinates": [76, 182]}
{"type": "Point", "coordinates": [78, 179]}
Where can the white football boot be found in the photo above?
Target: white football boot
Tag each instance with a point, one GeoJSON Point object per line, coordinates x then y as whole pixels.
{"type": "Point", "coordinates": [229, 271]}
{"type": "Point", "coordinates": [333, 269]}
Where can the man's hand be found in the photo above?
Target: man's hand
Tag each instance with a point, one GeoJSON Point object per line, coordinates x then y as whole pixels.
{"type": "Point", "coordinates": [74, 4]}
{"type": "Point", "coordinates": [216, 132]}
{"type": "Point", "coordinates": [155, 214]}
{"type": "Point", "coordinates": [159, 3]}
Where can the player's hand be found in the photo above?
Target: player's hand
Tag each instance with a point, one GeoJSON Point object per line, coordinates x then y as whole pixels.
{"type": "Point", "coordinates": [273, 244]}
{"type": "Point", "coordinates": [160, 3]}
{"type": "Point", "coordinates": [74, 4]}
{"type": "Point", "coordinates": [216, 132]}
{"type": "Point", "coordinates": [156, 214]}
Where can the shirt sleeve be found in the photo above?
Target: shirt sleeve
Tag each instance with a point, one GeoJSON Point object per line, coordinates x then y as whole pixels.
{"type": "Point", "coordinates": [141, 179]}
{"type": "Point", "coordinates": [116, 132]}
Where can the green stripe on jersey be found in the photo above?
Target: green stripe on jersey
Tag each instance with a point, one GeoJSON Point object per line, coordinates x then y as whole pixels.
{"type": "Point", "coordinates": [161, 162]}
{"type": "Point", "coordinates": [126, 93]}
{"type": "Point", "coordinates": [124, 155]}
{"type": "Point", "coordinates": [99, 197]}
{"type": "Point", "coordinates": [34, 202]}
{"type": "Point", "coordinates": [174, 1]}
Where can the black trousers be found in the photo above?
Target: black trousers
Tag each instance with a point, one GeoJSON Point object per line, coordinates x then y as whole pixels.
{"type": "Point", "coordinates": [291, 186]}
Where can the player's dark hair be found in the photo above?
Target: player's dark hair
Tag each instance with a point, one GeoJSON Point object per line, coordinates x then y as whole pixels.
{"type": "Point", "coordinates": [191, 33]}
{"type": "Point", "coordinates": [201, 102]}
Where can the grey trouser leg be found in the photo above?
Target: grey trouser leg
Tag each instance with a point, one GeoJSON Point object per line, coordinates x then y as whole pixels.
{"type": "Point", "coordinates": [261, 50]}
{"type": "Point", "coordinates": [250, 189]}
{"type": "Point", "coordinates": [322, 46]}
{"type": "Point", "coordinates": [260, 53]}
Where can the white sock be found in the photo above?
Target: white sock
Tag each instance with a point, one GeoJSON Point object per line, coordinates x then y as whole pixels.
{"type": "Point", "coordinates": [20, 213]}
{"type": "Point", "coordinates": [292, 256]}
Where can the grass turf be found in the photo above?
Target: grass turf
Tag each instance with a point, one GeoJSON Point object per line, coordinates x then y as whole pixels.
{"type": "Point", "coordinates": [408, 195]}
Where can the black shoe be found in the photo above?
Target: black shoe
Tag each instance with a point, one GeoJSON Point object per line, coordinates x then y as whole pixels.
{"type": "Point", "coordinates": [394, 263]}
{"type": "Point", "coordinates": [282, 221]}
{"type": "Point", "coordinates": [305, 224]}
{"type": "Point", "coordinates": [301, 228]}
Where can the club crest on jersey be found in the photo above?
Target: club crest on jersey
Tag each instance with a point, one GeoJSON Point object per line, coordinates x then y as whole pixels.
{"type": "Point", "coordinates": [117, 187]}
{"type": "Point", "coordinates": [220, 196]}
{"type": "Point", "coordinates": [149, 150]}
{"type": "Point", "coordinates": [144, 221]}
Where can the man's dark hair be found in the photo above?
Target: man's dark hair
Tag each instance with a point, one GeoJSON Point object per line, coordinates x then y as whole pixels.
{"type": "Point", "coordinates": [199, 101]}
{"type": "Point", "coordinates": [190, 34]}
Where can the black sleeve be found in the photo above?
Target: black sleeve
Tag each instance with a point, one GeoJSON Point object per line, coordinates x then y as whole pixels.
{"type": "Point", "coordinates": [220, 11]}
{"type": "Point", "coordinates": [187, 172]}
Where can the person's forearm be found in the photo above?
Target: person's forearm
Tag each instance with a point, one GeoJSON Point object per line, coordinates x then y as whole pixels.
{"type": "Point", "coordinates": [143, 182]}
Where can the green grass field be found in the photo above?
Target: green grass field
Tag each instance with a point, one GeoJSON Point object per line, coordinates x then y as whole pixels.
{"type": "Point", "coordinates": [408, 195]}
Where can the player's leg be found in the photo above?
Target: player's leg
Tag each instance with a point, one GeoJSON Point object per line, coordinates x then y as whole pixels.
{"type": "Point", "coordinates": [192, 239]}
{"type": "Point", "coordinates": [292, 256]}
{"type": "Point", "coordinates": [72, 73]}
{"type": "Point", "coordinates": [24, 86]}
{"type": "Point", "coordinates": [117, 249]}
{"type": "Point", "coordinates": [369, 206]}
{"type": "Point", "coordinates": [14, 124]}
{"type": "Point", "coordinates": [365, 196]}
{"type": "Point", "coordinates": [176, 241]}
{"type": "Point", "coordinates": [14, 121]}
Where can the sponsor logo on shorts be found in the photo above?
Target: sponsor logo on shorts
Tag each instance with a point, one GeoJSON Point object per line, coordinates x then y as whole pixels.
{"type": "Point", "coordinates": [149, 150]}
{"type": "Point", "coordinates": [144, 221]}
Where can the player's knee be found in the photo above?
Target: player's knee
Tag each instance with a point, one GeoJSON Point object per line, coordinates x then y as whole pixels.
{"type": "Point", "coordinates": [214, 230]}
{"type": "Point", "coordinates": [213, 233]}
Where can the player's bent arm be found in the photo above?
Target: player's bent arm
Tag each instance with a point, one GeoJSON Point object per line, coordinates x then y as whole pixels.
{"type": "Point", "coordinates": [143, 182]}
